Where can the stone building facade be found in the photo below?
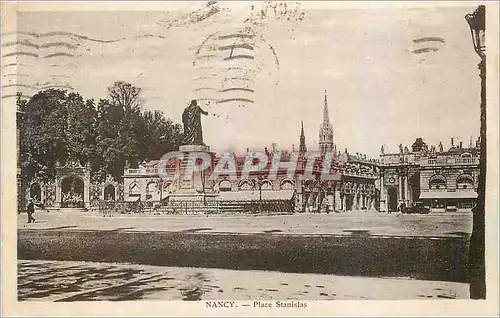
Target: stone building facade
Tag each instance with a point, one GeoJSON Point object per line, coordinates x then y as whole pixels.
{"type": "Point", "coordinates": [442, 180]}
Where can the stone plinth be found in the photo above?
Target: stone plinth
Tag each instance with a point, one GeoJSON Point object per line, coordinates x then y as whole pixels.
{"type": "Point", "coordinates": [196, 187]}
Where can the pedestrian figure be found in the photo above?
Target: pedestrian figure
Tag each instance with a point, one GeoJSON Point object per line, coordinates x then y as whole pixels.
{"type": "Point", "coordinates": [31, 210]}
{"type": "Point", "coordinates": [401, 207]}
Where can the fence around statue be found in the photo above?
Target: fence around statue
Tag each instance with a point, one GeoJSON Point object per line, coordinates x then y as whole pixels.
{"type": "Point", "coordinates": [115, 208]}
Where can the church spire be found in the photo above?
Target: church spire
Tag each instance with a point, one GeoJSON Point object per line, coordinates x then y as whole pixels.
{"type": "Point", "coordinates": [302, 146]}
{"type": "Point", "coordinates": [326, 116]}
{"type": "Point", "coordinates": [326, 131]}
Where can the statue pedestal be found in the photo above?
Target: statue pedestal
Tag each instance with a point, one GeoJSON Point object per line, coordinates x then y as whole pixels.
{"type": "Point", "coordinates": [196, 187]}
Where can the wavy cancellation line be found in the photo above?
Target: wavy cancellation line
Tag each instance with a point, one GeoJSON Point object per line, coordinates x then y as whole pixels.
{"type": "Point", "coordinates": [14, 74]}
{"type": "Point", "coordinates": [84, 37]}
{"type": "Point", "coordinates": [235, 100]}
{"type": "Point", "coordinates": [30, 54]}
{"type": "Point", "coordinates": [226, 90]}
{"type": "Point", "coordinates": [205, 89]}
{"type": "Point", "coordinates": [429, 39]}
{"type": "Point", "coordinates": [39, 87]}
{"type": "Point", "coordinates": [15, 95]}
{"type": "Point", "coordinates": [245, 46]}
{"type": "Point", "coordinates": [58, 54]}
{"type": "Point", "coordinates": [233, 89]}
{"type": "Point", "coordinates": [240, 56]}
{"type": "Point", "coordinates": [42, 46]}
{"type": "Point", "coordinates": [425, 50]}
{"type": "Point", "coordinates": [20, 53]}
{"type": "Point", "coordinates": [236, 35]}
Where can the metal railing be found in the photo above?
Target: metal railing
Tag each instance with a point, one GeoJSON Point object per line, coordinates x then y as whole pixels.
{"type": "Point", "coordinates": [111, 208]}
{"type": "Point", "coordinates": [451, 161]}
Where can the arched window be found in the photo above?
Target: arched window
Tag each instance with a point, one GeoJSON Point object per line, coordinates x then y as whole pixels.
{"type": "Point", "coordinates": [437, 181]}
{"type": "Point", "coordinates": [287, 184]}
{"type": "Point", "coordinates": [72, 192]}
{"type": "Point", "coordinates": [224, 185]}
{"type": "Point", "coordinates": [109, 193]}
{"type": "Point", "coordinates": [135, 189]}
{"type": "Point", "coordinates": [245, 185]}
{"type": "Point", "coordinates": [266, 185]}
{"type": "Point", "coordinates": [465, 181]}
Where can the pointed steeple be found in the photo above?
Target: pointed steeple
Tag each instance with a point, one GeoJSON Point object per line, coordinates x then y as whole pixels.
{"type": "Point", "coordinates": [326, 130]}
{"type": "Point", "coordinates": [302, 146]}
{"type": "Point", "coordinates": [326, 116]}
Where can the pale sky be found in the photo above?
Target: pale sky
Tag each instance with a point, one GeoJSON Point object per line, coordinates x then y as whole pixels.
{"type": "Point", "coordinates": [379, 90]}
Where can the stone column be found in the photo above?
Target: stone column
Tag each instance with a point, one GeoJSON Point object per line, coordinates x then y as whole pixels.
{"type": "Point", "coordinates": [383, 197]}
{"type": "Point", "coordinates": [86, 194]}
{"type": "Point", "coordinates": [410, 195]}
{"type": "Point", "coordinates": [400, 189]}
{"type": "Point", "coordinates": [338, 200]}
{"type": "Point", "coordinates": [57, 203]}
{"type": "Point", "coordinates": [407, 197]}
{"type": "Point", "coordinates": [387, 201]}
{"type": "Point", "coordinates": [299, 200]}
{"type": "Point", "coordinates": [330, 204]}
{"type": "Point", "coordinates": [42, 192]}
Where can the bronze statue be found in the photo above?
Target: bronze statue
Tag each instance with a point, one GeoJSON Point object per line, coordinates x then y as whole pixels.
{"type": "Point", "coordinates": [191, 118]}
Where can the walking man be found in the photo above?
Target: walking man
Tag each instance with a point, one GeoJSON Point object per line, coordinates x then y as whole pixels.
{"type": "Point", "coordinates": [31, 210]}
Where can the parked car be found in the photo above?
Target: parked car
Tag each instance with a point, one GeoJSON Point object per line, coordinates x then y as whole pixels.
{"type": "Point", "coordinates": [418, 208]}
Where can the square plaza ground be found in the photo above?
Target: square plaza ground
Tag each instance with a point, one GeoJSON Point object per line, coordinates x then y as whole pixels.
{"type": "Point", "coordinates": [441, 224]}
{"type": "Point", "coordinates": [64, 280]}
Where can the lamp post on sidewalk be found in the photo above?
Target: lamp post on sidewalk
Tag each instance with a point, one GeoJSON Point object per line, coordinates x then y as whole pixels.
{"type": "Point", "coordinates": [260, 183]}
{"type": "Point", "coordinates": [476, 266]}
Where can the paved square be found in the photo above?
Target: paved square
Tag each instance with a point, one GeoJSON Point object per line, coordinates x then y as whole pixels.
{"type": "Point", "coordinates": [377, 223]}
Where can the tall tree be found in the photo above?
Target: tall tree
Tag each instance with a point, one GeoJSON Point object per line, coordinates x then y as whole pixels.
{"type": "Point", "coordinates": [162, 134]}
{"type": "Point", "coordinates": [56, 127]}
{"type": "Point", "coordinates": [109, 157]}
{"type": "Point", "coordinates": [125, 95]}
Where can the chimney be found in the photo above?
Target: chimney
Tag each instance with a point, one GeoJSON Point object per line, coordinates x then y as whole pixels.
{"type": "Point", "coordinates": [460, 145]}
{"type": "Point", "coordinates": [452, 145]}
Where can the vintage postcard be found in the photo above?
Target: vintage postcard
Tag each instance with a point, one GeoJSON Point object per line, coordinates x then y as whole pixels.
{"type": "Point", "coordinates": [267, 158]}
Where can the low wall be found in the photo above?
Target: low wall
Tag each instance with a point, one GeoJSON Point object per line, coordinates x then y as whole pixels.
{"type": "Point", "coordinates": [419, 258]}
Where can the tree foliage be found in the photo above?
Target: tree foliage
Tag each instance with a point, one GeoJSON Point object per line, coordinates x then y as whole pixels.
{"type": "Point", "coordinates": [58, 126]}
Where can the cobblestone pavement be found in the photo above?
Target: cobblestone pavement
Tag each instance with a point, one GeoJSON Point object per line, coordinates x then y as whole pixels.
{"type": "Point", "coordinates": [86, 281]}
{"type": "Point", "coordinates": [376, 223]}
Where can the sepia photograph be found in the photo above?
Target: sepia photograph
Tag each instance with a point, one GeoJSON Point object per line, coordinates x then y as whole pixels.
{"type": "Point", "coordinates": [250, 156]}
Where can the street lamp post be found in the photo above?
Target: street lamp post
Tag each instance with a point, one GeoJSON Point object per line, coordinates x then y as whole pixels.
{"type": "Point", "coordinates": [260, 180]}
{"type": "Point", "coordinates": [476, 266]}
